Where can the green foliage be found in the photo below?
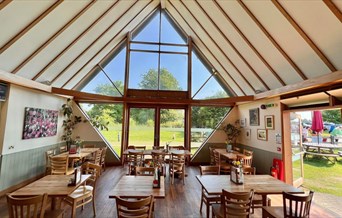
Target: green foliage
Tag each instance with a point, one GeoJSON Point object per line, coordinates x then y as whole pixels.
{"type": "Point", "coordinates": [109, 89]}
{"type": "Point", "coordinates": [70, 122]}
{"type": "Point", "coordinates": [232, 131]}
{"type": "Point", "coordinates": [207, 117]}
{"type": "Point", "coordinates": [333, 116]}
{"type": "Point", "coordinates": [167, 80]}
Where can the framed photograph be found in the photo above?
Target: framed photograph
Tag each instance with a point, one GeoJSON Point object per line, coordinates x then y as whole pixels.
{"type": "Point", "coordinates": [243, 122]}
{"type": "Point", "coordinates": [262, 134]}
{"type": "Point", "coordinates": [254, 117]}
{"type": "Point", "coordinates": [248, 134]}
{"type": "Point", "coordinates": [269, 122]}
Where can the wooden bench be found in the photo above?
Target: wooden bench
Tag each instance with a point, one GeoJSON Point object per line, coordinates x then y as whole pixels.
{"type": "Point", "coordinates": [326, 155]}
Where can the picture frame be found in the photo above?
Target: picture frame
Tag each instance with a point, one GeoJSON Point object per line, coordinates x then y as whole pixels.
{"type": "Point", "coordinates": [262, 134]}
{"type": "Point", "coordinates": [243, 122]}
{"type": "Point", "coordinates": [248, 134]}
{"type": "Point", "coordinates": [254, 117]}
{"type": "Point", "coordinates": [269, 122]}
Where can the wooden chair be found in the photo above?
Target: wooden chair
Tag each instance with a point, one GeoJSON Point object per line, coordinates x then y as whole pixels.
{"type": "Point", "coordinates": [131, 147]}
{"type": "Point", "coordinates": [103, 158]}
{"type": "Point", "coordinates": [48, 154]}
{"type": "Point", "coordinates": [247, 152]}
{"type": "Point", "coordinates": [159, 159]}
{"type": "Point", "coordinates": [233, 204]}
{"type": "Point", "coordinates": [85, 193]}
{"type": "Point", "coordinates": [134, 159]}
{"type": "Point", "coordinates": [247, 160]}
{"type": "Point", "coordinates": [294, 206]}
{"type": "Point", "coordinates": [88, 146]}
{"type": "Point", "coordinates": [144, 171]}
{"type": "Point", "coordinates": [212, 158]}
{"type": "Point", "coordinates": [249, 171]}
{"type": "Point", "coordinates": [60, 165]}
{"type": "Point", "coordinates": [140, 147]}
{"type": "Point", "coordinates": [177, 166]}
{"type": "Point", "coordinates": [158, 148]}
{"type": "Point", "coordinates": [222, 164]}
{"type": "Point", "coordinates": [30, 207]}
{"type": "Point", "coordinates": [176, 147]}
{"type": "Point", "coordinates": [63, 149]}
{"type": "Point", "coordinates": [141, 208]}
{"type": "Point", "coordinates": [205, 197]}
{"type": "Point", "coordinates": [97, 157]}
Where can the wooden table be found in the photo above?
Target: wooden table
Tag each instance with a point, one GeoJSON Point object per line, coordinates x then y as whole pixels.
{"type": "Point", "coordinates": [54, 185]}
{"type": "Point", "coordinates": [229, 155]}
{"type": "Point", "coordinates": [137, 187]}
{"type": "Point", "coordinates": [262, 184]}
{"type": "Point", "coordinates": [84, 153]}
{"type": "Point", "coordinates": [149, 151]}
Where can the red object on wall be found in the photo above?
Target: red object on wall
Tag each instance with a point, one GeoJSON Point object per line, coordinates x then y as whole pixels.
{"type": "Point", "coordinates": [279, 166]}
{"type": "Point", "coordinates": [274, 172]}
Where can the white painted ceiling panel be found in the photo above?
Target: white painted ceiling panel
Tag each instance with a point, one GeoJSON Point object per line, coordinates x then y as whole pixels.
{"type": "Point", "coordinates": [19, 14]}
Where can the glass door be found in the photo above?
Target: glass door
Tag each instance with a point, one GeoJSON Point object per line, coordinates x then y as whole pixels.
{"type": "Point", "coordinates": [297, 150]}
{"type": "Point", "coordinates": [172, 126]}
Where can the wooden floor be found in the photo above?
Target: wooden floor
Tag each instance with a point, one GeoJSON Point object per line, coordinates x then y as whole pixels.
{"type": "Point", "coordinates": [180, 201]}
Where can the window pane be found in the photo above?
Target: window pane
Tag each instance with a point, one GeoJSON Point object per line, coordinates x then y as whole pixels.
{"type": "Point", "coordinates": [174, 48]}
{"type": "Point", "coordinates": [141, 127]}
{"type": "Point", "coordinates": [143, 73]}
{"type": "Point", "coordinates": [204, 121]}
{"type": "Point", "coordinates": [212, 90]}
{"type": "Point", "coordinates": [200, 72]}
{"type": "Point", "coordinates": [148, 31]}
{"type": "Point", "coordinates": [174, 72]}
{"type": "Point", "coordinates": [111, 113]}
{"type": "Point", "coordinates": [170, 33]}
{"type": "Point", "coordinates": [148, 47]}
{"type": "Point", "coordinates": [172, 126]}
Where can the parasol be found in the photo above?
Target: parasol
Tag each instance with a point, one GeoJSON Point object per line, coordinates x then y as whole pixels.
{"type": "Point", "coordinates": [317, 123]}
{"type": "Point", "coordinates": [336, 132]}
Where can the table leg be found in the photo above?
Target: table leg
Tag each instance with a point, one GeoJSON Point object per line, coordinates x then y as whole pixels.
{"type": "Point", "coordinates": [264, 200]}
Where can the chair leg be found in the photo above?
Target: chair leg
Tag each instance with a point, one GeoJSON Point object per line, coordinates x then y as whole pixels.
{"type": "Point", "coordinates": [73, 211]}
{"type": "Point", "coordinates": [94, 208]}
{"type": "Point", "coordinates": [201, 202]}
{"type": "Point", "coordinates": [208, 209]}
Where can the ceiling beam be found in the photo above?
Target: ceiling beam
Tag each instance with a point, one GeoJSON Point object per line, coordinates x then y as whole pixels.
{"type": "Point", "coordinates": [218, 47]}
{"type": "Point", "coordinates": [233, 47]}
{"type": "Point", "coordinates": [21, 81]}
{"type": "Point", "coordinates": [333, 9]}
{"type": "Point", "coordinates": [60, 31]}
{"type": "Point", "coordinates": [211, 53]}
{"type": "Point", "coordinates": [111, 40]}
{"type": "Point", "coordinates": [28, 27]}
{"type": "Point", "coordinates": [88, 97]}
{"type": "Point", "coordinates": [250, 44]}
{"type": "Point", "coordinates": [268, 35]}
{"type": "Point", "coordinates": [163, 4]}
{"type": "Point", "coordinates": [304, 35]}
{"type": "Point", "coordinates": [74, 41]}
{"type": "Point", "coordinates": [325, 80]}
{"type": "Point", "coordinates": [4, 3]}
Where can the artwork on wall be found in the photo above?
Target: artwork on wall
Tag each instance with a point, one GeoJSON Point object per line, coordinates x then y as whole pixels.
{"type": "Point", "coordinates": [243, 122]}
{"type": "Point", "coordinates": [254, 117]}
{"type": "Point", "coordinates": [248, 134]}
{"type": "Point", "coordinates": [39, 123]}
{"type": "Point", "coordinates": [269, 122]}
{"type": "Point", "coordinates": [262, 134]}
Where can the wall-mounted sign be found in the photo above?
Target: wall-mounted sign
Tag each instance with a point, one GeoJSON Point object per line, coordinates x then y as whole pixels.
{"type": "Point", "coordinates": [3, 91]}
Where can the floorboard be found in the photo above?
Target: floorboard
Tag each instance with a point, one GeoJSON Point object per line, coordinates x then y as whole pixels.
{"type": "Point", "coordinates": [180, 201]}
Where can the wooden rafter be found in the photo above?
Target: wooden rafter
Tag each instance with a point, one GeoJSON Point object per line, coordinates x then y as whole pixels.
{"type": "Point", "coordinates": [88, 97]}
{"type": "Point", "coordinates": [27, 28]}
{"type": "Point", "coordinates": [268, 35]}
{"type": "Point", "coordinates": [333, 9]}
{"type": "Point", "coordinates": [74, 41]}
{"type": "Point", "coordinates": [219, 48]}
{"type": "Point", "coordinates": [325, 80]}
{"type": "Point", "coordinates": [4, 3]}
{"type": "Point", "coordinates": [190, 26]}
{"type": "Point", "coordinates": [90, 45]}
{"type": "Point", "coordinates": [112, 39]}
{"type": "Point", "coordinates": [304, 35]}
{"type": "Point", "coordinates": [60, 31]}
{"type": "Point", "coordinates": [250, 44]}
{"type": "Point", "coordinates": [233, 47]}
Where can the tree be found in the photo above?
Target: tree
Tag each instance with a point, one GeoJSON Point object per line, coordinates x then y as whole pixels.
{"type": "Point", "coordinates": [166, 80]}
{"type": "Point", "coordinates": [333, 116]}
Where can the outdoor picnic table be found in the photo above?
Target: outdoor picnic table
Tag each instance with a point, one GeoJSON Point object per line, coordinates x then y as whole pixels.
{"type": "Point", "coordinates": [322, 149]}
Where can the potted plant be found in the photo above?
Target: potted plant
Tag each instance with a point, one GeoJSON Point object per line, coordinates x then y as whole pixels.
{"type": "Point", "coordinates": [232, 132]}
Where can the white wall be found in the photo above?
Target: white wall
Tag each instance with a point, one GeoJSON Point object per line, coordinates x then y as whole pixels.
{"type": "Point", "coordinates": [18, 99]}
{"type": "Point", "coordinates": [270, 144]}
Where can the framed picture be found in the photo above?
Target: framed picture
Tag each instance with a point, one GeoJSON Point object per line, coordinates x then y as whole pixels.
{"type": "Point", "coordinates": [243, 122]}
{"type": "Point", "coordinates": [248, 134]}
{"type": "Point", "coordinates": [262, 134]}
{"type": "Point", "coordinates": [269, 122]}
{"type": "Point", "coordinates": [254, 117]}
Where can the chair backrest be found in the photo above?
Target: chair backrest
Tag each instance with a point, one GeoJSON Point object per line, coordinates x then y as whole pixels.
{"type": "Point", "coordinates": [140, 147]}
{"type": "Point", "coordinates": [176, 147]}
{"type": "Point", "coordinates": [212, 158]}
{"type": "Point", "coordinates": [131, 147]}
{"type": "Point", "coordinates": [217, 158]}
{"type": "Point", "coordinates": [247, 152]}
{"type": "Point", "coordinates": [94, 170]}
{"type": "Point", "coordinates": [97, 157]}
{"type": "Point", "coordinates": [236, 204]}
{"type": "Point", "coordinates": [247, 160]}
{"type": "Point", "coordinates": [59, 165]}
{"type": "Point", "coordinates": [158, 147]}
{"type": "Point", "coordinates": [134, 208]}
{"type": "Point", "coordinates": [297, 205]}
{"type": "Point", "coordinates": [49, 154]}
{"type": "Point", "coordinates": [63, 148]}
{"type": "Point", "coordinates": [135, 158]}
{"type": "Point", "coordinates": [26, 207]}
{"type": "Point", "coordinates": [177, 162]}
{"type": "Point", "coordinates": [103, 156]}
{"type": "Point", "coordinates": [158, 157]}
{"type": "Point", "coordinates": [249, 170]}
{"type": "Point", "coordinates": [210, 170]}
{"type": "Point", "coordinates": [144, 171]}
{"type": "Point", "coordinates": [88, 146]}
{"type": "Point", "coordinates": [236, 149]}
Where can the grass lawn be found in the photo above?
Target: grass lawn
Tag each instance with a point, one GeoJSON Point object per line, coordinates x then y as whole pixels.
{"type": "Point", "coordinates": [320, 175]}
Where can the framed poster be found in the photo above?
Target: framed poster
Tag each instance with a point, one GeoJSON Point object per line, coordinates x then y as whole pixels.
{"type": "Point", "coordinates": [254, 117]}
{"type": "Point", "coordinates": [248, 134]}
{"type": "Point", "coordinates": [269, 122]}
{"type": "Point", "coordinates": [262, 134]}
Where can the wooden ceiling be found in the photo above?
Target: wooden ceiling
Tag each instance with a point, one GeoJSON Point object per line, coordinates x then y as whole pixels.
{"type": "Point", "coordinates": [256, 46]}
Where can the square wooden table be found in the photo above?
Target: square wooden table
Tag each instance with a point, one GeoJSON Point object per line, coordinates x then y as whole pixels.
{"type": "Point", "coordinates": [137, 187]}
{"type": "Point", "coordinates": [54, 185]}
{"type": "Point", "coordinates": [262, 184]}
